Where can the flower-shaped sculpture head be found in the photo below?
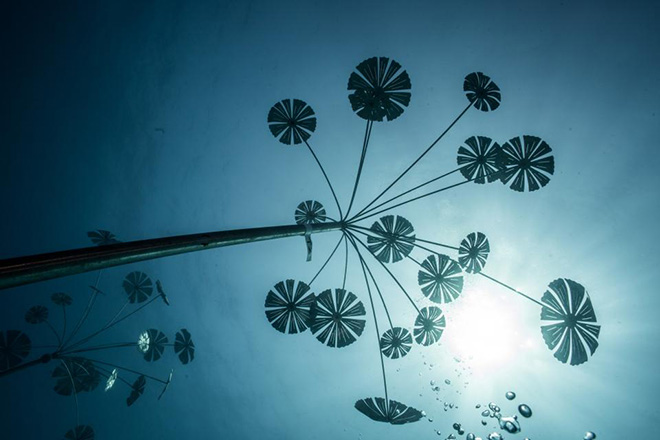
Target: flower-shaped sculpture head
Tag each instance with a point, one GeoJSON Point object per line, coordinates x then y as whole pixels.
{"type": "Point", "coordinates": [480, 159]}
{"type": "Point", "coordinates": [80, 432]}
{"type": "Point", "coordinates": [568, 322]}
{"type": "Point", "coordinates": [429, 325]}
{"type": "Point", "coordinates": [528, 163]}
{"type": "Point", "coordinates": [396, 342]}
{"type": "Point", "coordinates": [337, 318]}
{"type": "Point", "coordinates": [152, 344]}
{"type": "Point", "coordinates": [482, 91]}
{"type": "Point", "coordinates": [440, 278]}
{"type": "Point", "coordinates": [61, 299]}
{"type": "Point", "coordinates": [138, 286]}
{"type": "Point", "coordinates": [14, 347]}
{"type": "Point", "coordinates": [102, 238]}
{"type": "Point", "coordinates": [393, 240]}
{"type": "Point", "coordinates": [288, 306]}
{"type": "Point", "coordinates": [36, 315]}
{"type": "Point", "coordinates": [137, 389]}
{"type": "Point", "coordinates": [395, 413]}
{"type": "Point", "coordinates": [380, 89]}
{"type": "Point", "coordinates": [473, 252]}
{"type": "Point", "coordinates": [291, 121]}
{"type": "Point", "coordinates": [184, 346]}
{"type": "Point", "coordinates": [111, 380]}
{"type": "Point", "coordinates": [77, 375]}
{"type": "Point", "coordinates": [309, 212]}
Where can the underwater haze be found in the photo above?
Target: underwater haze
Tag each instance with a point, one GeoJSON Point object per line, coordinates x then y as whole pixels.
{"type": "Point", "coordinates": [153, 118]}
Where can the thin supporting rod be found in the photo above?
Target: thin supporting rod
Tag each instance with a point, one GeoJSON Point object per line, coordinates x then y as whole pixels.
{"type": "Point", "coordinates": [23, 366]}
{"type": "Point", "coordinates": [88, 308]}
{"type": "Point", "coordinates": [99, 347]}
{"type": "Point", "coordinates": [403, 236]}
{"type": "Point", "coordinates": [75, 392]}
{"type": "Point", "coordinates": [343, 284]}
{"type": "Point", "coordinates": [416, 160]}
{"type": "Point", "coordinates": [373, 311]}
{"type": "Point", "coordinates": [126, 369]}
{"type": "Point", "coordinates": [326, 177]}
{"type": "Point", "coordinates": [327, 260]}
{"type": "Point", "coordinates": [365, 144]}
{"type": "Point", "coordinates": [428, 182]}
{"type": "Point", "coordinates": [388, 271]}
{"type": "Point", "coordinates": [365, 268]}
{"type": "Point", "coordinates": [30, 269]}
{"type": "Point", "coordinates": [363, 217]}
{"type": "Point", "coordinates": [512, 289]}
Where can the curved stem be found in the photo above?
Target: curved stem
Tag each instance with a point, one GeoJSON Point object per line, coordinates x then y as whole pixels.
{"type": "Point", "coordinates": [380, 352]}
{"type": "Point", "coordinates": [100, 347]}
{"type": "Point", "coordinates": [75, 392]}
{"type": "Point", "coordinates": [326, 177]}
{"type": "Point", "coordinates": [327, 260]}
{"type": "Point", "coordinates": [57, 335]}
{"type": "Point", "coordinates": [364, 271]}
{"type": "Point", "coordinates": [127, 369]}
{"type": "Point", "coordinates": [365, 144]}
{"type": "Point", "coordinates": [513, 290]}
{"type": "Point", "coordinates": [367, 211]}
{"type": "Point", "coordinates": [416, 160]}
{"type": "Point", "coordinates": [90, 304]}
{"type": "Point", "coordinates": [343, 284]}
{"type": "Point", "coordinates": [63, 327]}
{"type": "Point", "coordinates": [376, 233]}
{"type": "Point", "coordinates": [388, 271]}
{"type": "Point", "coordinates": [21, 366]}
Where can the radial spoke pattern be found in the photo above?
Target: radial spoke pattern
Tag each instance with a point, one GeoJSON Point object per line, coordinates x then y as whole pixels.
{"type": "Point", "coordinates": [395, 413]}
{"type": "Point", "coordinates": [288, 306]}
{"type": "Point", "coordinates": [440, 278]}
{"type": "Point", "coordinates": [482, 91]}
{"type": "Point", "coordinates": [380, 89]}
{"type": "Point", "coordinates": [480, 159]}
{"type": "Point", "coordinates": [152, 344]}
{"type": "Point", "coordinates": [568, 322]}
{"type": "Point", "coordinates": [473, 252]}
{"type": "Point", "coordinates": [429, 325]}
{"type": "Point", "coordinates": [393, 240]}
{"type": "Point", "coordinates": [309, 212]}
{"type": "Point", "coordinates": [102, 238]}
{"type": "Point", "coordinates": [137, 389]}
{"type": "Point", "coordinates": [84, 376]}
{"type": "Point", "coordinates": [14, 347]}
{"type": "Point", "coordinates": [138, 286]}
{"type": "Point", "coordinates": [337, 318]}
{"type": "Point", "coordinates": [184, 346]}
{"type": "Point", "coordinates": [396, 343]}
{"type": "Point", "coordinates": [528, 163]}
{"type": "Point", "coordinates": [291, 121]}
{"type": "Point", "coordinates": [80, 432]}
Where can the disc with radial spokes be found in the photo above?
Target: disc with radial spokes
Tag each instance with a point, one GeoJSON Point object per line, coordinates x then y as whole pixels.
{"type": "Point", "coordinates": [429, 325]}
{"type": "Point", "coordinates": [393, 239]}
{"type": "Point", "coordinates": [288, 306]}
{"type": "Point", "coordinates": [396, 342]}
{"type": "Point", "coordinates": [111, 380]}
{"type": "Point", "coordinates": [568, 322]}
{"type": "Point", "coordinates": [137, 389]}
{"type": "Point", "coordinates": [80, 432]}
{"type": "Point", "coordinates": [473, 252]}
{"type": "Point", "coordinates": [14, 347]}
{"type": "Point", "coordinates": [61, 299]}
{"type": "Point", "coordinates": [291, 121]}
{"type": "Point", "coordinates": [395, 413]}
{"type": "Point", "coordinates": [36, 315]}
{"type": "Point", "coordinates": [380, 89]}
{"type": "Point", "coordinates": [184, 346]}
{"type": "Point", "coordinates": [480, 159]}
{"type": "Point", "coordinates": [152, 344]}
{"type": "Point", "coordinates": [79, 374]}
{"type": "Point", "coordinates": [310, 212]}
{"type": "Point", "coordinates": [528, 163]}
{"type": "Point", "coordinates": [337, 318]}
{"type": "Point", "coordinates": [102, 238]}
{"type": "Point", "coordinates": [482, 91]}
{"type": "Point", "coordinates": [440, 278]}
{"type": "Point", "coordinates": [138, 286]}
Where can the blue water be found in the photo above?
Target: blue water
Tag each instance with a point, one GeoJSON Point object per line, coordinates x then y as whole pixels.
{"type": "Point", "coordinates": [148, 119]}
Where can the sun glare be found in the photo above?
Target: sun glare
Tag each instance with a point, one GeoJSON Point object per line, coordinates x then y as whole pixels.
{"type": "Point", "coordinates": [483, 331]}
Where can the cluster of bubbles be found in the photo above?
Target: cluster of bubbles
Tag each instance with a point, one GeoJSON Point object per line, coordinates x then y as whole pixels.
{"type": "Point", "coordinates": [508, 424]}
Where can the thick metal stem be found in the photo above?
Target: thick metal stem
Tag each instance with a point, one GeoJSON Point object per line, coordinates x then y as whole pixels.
{"type": "Point", "coordinates": [33, 268]}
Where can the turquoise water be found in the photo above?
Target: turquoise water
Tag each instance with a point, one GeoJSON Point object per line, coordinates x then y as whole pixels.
{"type": "Point", "coordinates": [150, 120]}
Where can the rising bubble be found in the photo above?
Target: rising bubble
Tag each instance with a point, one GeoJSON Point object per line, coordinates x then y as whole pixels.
{"type": "Point", "coordinates": [589, 436]}
{"type": "Point", "coordinates": [510, 424]}
{"type": "Point", "coordinates": [510, 395]}
{"type": "Point", "coordinates": [525, 410]}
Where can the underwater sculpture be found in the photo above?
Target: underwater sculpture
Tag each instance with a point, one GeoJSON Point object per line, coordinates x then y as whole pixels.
{"type": "Point", "coordinates": [380, 91]}
{"type": "Point", "coordinates": [78, 370]}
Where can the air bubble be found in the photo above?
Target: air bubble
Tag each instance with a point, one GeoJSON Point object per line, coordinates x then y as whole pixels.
{"type": "Point", "coordinates": [589, 436]}
{"type": "Point", "coordinates": [525, 410]}
{"type": "Point", "coordinates": [510, 395]}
